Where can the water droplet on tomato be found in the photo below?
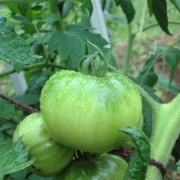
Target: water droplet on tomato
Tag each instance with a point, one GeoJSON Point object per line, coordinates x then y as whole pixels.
{"type": "Point", "coordinates": [115, 86]}
{"type": "Point", "coordinates": [55, 81]}
{"type": "Point", "coordinates": [101, 85]}
{"type": "Point", "coordinates": [84, 82]}
{"type": "Point", "coordinates": [68, 80]}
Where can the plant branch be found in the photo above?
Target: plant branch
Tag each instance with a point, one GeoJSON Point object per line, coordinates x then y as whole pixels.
{"type": "Point", "coordinates": [166, 120]}
{"type": "Point", "coordinates": [31, 67]}
{"type": "Point", "coordinates": [22, 106]}
{"type": "Point", "coordinates": [156, 24]}
{"type": "Point", "coordinates": [111, 68]}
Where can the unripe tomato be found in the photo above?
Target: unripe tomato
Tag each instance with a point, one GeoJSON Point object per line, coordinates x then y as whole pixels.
{"type": "Point", "coordinates": [85, 112]}
{"type": "Point", "coordinates": [105, 167]}
{"type": "Point", "coordinates": [51, 157]}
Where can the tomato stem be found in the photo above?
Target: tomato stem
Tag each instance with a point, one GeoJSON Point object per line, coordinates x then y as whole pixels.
{"type": "Point", "coordinates": [95, 64]}
{"type": "Point", "coordinates": [166, 120]}
{"type": "Point", "coordinates": [131, 37]}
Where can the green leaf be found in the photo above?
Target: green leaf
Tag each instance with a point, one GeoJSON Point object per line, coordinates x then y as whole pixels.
{"type": "Point", "coordinates": [72, 46]}
{"type": "Point", "coordinates": [149, 3]}
{"type": "Point", "coordinates": [147, 120]}
{"type": "Point", "coordinates": [175, 3]}
{"type": "Point", "coordinates": [178, 167]}
{"type": "Point", "coordinates": [55, 41]}
{"type": "Point", "coordinates": [127, 8]}
{"type": "Point", "coordinates": [147, 75]}
{"type": "Point", "coordinates": [5, 127]}
{"type": "Point", "coordinates": [87, 4]}
{"type": "Point", "coordinates": [163, 82]}
{"type": "Point", "coordinates": [13, 48]}
{"type": "Point", "coordinates": [18, 67]}
{"type": "Point", "coordinates": [19, 175]}
{"type": "Point", "coordinates": [37, 81]}
{"type": "Point", "coordinates": [13, 158]}
{"type": "Point", "coordinates": [72, 43]}
{"type": "Point", "coordinates": [36, 177]}
{"type": "Point", "coordinates": [172, 59]}
{"type": "Point", "coordinates": [140, 158]}
{"type": "Point", "coordinates": [52, 17]}
{"type": "Point", "coordinates": [1, 138]}
{"type": "Point", "coordinates": [159, 9]}
{"type": "Point", "coordinates": [67, 6]}
{"type": "Point", "coordinates": [28, 99]}
{"type": "Point", "coordinates": [7, 110]}
{"type": "Point", "coordinates": [149, 90]}
{"type": "Point", "coordinates": [22, 19]}
{"type": "Point", "coordinates": [23, 7]}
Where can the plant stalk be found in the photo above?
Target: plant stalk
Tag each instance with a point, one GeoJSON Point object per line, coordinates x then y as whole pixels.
{"type": "Point", "coordinates": [41, 65]}
{"type": "Point", "coordinates": [166, 129]}
{"type": "Point", "coordinates": [131, 37]}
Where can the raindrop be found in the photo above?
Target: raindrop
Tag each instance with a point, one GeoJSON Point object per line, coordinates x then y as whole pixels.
{"type": "Point", "coordinates": [84, 82]}
{"type": "Point", "coordinates": [101, 85]}
{"type": "Point", "coordinates": [55, 81]}
{"type": "Point", "coordinates": [68, 80]}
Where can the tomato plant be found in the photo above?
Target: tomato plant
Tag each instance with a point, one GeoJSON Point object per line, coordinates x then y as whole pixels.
{"type": "Point", "coordinates": [97, 106]}
{"type": "Point", "coordinates": [85, 94]}
{"type": "Point", "coordinates": [105, 166]}
{"type": "Point", "coordinates": [50, 156]}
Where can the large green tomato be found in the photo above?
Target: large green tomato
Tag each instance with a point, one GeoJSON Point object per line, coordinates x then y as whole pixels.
{"type": "Point", "coordinates": [85, 112]}
{"type": "Point", "coordinates": [105, 167]}
{"type": "Point", "coordinates": [51, 157]}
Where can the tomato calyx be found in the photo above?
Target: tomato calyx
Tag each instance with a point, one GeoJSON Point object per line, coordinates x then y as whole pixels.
{"type": "Point", "coordinates": [80, 155]}
{"type": "Point", "coordinates": [95, 64]}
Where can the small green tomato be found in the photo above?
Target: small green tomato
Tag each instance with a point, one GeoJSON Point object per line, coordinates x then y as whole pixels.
{"type": "Point", "coordinates": [51, 157]}
{"type": "Point", "coordinates": [104, 167]}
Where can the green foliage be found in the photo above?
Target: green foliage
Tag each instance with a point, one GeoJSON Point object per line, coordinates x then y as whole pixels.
{"type": "Point", "coordinates": [87, 4]}
{"type": "Point", "coordinates": [147, 75]}
{"type": "Point", "coordinates": [172, 59]}
{"type": "Point", "coordinates": [7, 110]}
{"type": "Point", "coordinates": [167, 86]}
{"type": "Point", "coordinates": [141, 156]}
{"type": "Point", "coordinates": [13, 158]}
{"type": "Point", "coordinates": [12, 47]}
{"type": "Point", "coordinates": [159, 9]}
{"type": "Point", "coordinates": [72, 44]}
{"type": "Point", "coordinates": [128, 9]}
{"type": "Point", "coordinates": [42, 37]}
{"type": "Point", "coordinates": [178, 167]}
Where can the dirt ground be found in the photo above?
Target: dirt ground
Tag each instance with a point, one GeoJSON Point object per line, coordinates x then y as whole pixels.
{"type": "Point", "coordinates": [137, 61]}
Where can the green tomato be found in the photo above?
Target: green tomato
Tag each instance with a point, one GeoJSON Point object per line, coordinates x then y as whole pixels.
{"type": "Point", "coordinates": [105, 167]}
{"type": "Point", "coordinates": [85, 112]}
{"type": "Point", "coordinates": [51, 157]}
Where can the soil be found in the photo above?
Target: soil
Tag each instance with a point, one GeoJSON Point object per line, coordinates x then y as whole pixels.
{"type": "Point", "coordinates": [137, 61]}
